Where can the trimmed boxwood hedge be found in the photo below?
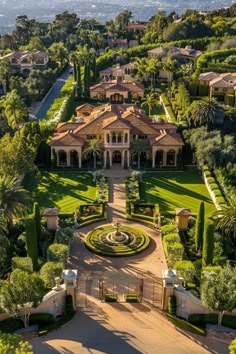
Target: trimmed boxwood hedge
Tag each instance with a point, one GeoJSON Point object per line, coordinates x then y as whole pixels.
{"type": "Point", "coordinates": [212, 318]}
{"type": "Point", "coordinates": [131, 298]}
{"type": "Point", "coordinates": [110, 297]}
{"type": "Point", "coordinates": [41, 319]}
{"type": "Point", "coordinates": [96, 242]}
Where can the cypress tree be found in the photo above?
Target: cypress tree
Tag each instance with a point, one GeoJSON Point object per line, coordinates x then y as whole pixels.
{"type": "Point", "coordinates": [208, 243]}
{"type": "Point", "coordinates": [31, 241]}
{"type": "Point", "coordinates": [37, 219]}
{"type": "Point", "coordinates": [79, 84]}
{"type": "Point", "coordinates": [200, 227]}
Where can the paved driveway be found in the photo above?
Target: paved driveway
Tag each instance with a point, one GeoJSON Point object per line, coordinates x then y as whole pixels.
{"type": "Point", "coordinates": [52, 95]}
{"type": "Point", "coordinates": [123, 329]}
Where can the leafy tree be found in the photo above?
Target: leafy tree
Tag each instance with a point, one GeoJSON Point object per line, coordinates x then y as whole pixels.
{"type": "Point", "coordinates": [150, 100]}
{"type": "Point", "coordinates": [4, 253]}
{"type": "Point", "coordinates": [200, 227]}
{"type": "Point", "coordinates": [65, 22]}
{"type": "Point", "coordinates": [208, 243]}
{"type": "Point", "coordinates": [122, 20]}
{"type": "Point", "coordinates": [23, 292]}
{"type": "Point", "coordinates": [14, 344]}
{"type": "Point", "coordinates": [58, 53]}
{"type": "Point", "coordinates": [35, 43]}
{"type": "Point", "coordinates": [138, 148]}
{"type": "Point", "coordinates": [232, 347]}
{"type": "Point", "coordinates": [206, 112]}
{"type": "Point", "coordinates": [50, 271]}
{"type": "Point", "coordinates": [15, 109]}
{"type": "Point", "coordinates": [226, 216]}
{"type": "Point", "coordinates": [31, 241]}
{"type": "Point", "coordinates": [15, 201]}
{"type": "Point", "coordinates": [170, 66]}
{"type": "Point", "coordinates": [93, 148]}
{"type": "Point", "coordinates": [218, 291]}
{"type": "Point", "coordinates": [189, 28]}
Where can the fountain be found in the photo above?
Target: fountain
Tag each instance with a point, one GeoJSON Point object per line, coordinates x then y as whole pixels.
{"type": "Point", "coordinates": [116, 240]}
{"type": "Point", "coordinates": [117, 236]}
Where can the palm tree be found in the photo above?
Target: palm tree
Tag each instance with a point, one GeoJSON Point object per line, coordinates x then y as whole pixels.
{"type": "Point", "coordinates": [139, 147]}
{"type": "Point", "coordinates": [5, 73]}
{"type": "Point", "coordinates": [15, 201]}
{"type": "Point", "coordinates": [169, 66]}
{"type": "Point", "coordinates": [206, 112]}
{"type": "Point", "coordinates": [153, 66]}
{"type": "Point", "coordinates": [141, 66]}
{"type": "Point", "coordinates": [227, 216]}
{"type": "Point", "coordinates": [94, 148]}
{"type": "Point", "coordinates": [15, 109]}
{"type": "Point", "coordinates": [3, 225]}
{"type": "Point", "coordinates": [58, 52]}
{"type": "Point", "coordinates": [150, 100]}
{"type": "Point", "coordinates": [186, 69]}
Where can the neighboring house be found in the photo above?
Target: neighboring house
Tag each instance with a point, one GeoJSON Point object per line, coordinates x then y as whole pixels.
{"type": "Point", "coordinates": [119, 72]}
{"type": "Point", "coordinates": [137, 27]}
{"type": "Point", "coordinates": [117, 127]}
{"type": "Point", "coordinates": [24, 62]}
{"type": "Point", "coordinates": [114, 42]}
{"type": "Point", "coordinates": [185, 54]}
{"type": "Point", "coordinates": [117, 92]}
{"type": "Point", "coordinates": [222, 86]}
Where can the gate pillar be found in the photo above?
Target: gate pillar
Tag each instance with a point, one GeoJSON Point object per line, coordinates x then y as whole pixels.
{"type": "Point", "coordinates": [168, 279]}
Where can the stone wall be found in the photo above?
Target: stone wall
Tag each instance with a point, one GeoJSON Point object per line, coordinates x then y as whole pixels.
{"type": "Point", "coordinates": [53, 303]}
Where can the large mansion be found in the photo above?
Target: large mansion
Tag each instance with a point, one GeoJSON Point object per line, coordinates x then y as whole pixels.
{"type": "Point", "coordinates": [221, 86]}
{"type": "Point", "coordinates": [117, 126]}
{"type": "Point", "coordinates": [24, 62]}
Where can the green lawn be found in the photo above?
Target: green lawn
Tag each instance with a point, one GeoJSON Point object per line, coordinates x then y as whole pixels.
{"type": "Point", "coordinates": [64, 190]}
{"type": "Point", "coordinates": [176, 190]}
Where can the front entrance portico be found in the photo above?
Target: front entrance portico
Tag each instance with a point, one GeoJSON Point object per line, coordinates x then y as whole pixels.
{"type": "Point", "coordinates": [114, 156]}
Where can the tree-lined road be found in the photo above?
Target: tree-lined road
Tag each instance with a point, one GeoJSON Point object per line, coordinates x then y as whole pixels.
{"type": "Point", "coordinates": [52, 94]}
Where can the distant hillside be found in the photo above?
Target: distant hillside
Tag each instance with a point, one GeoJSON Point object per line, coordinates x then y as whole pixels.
{"type": "Point", "coordinates": [102, 10]}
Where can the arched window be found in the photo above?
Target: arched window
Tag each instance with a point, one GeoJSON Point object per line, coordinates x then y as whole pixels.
{"type": "Point", "coordinates": [119, 138]}
{"type": "Point", "coordinates": [126, 137]}
{"type": "Point", "coordinates": [170, 158]}
{"type": "Point", "coordinates": [62, 158]}
{"type": "Point", "coordinates": [108, 138]}
{"type": "Point", "coordinates": [113, 137]}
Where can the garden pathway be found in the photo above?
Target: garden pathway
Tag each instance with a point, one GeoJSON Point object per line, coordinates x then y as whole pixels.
{"type": "Point", "coordinates": [121, 328]}
{"type": "Point", "coordinates": [116, 205]}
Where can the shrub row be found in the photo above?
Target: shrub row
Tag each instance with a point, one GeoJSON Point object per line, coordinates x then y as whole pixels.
{"type": "Point", "coordinates": [202, 319]}
{"type": "Point", "coordinates": [219, 198]}
{"type": "Point", "coordinates": [167, 107]}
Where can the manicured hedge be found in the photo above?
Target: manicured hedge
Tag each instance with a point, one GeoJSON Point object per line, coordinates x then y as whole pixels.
{"type": "Point", "coordinates": [110, 297]}
{"type": "Point", "coordinates": [23, 263]}
{"type": "Point", "coordinates": [185, 269]}
{"type": "Point", "coordinates": [203, 319]}
{"type": "Point", "coordinates": [58, 252]}
{"type": "Point", "coordinates": [41, 319]}
{"type": "Point", "coordinates": [172, 305]}
{"type": "Point", "coordinates": [168, 229]}
{"type": "Point", "coordinates": [50, 271]}
{"type": "Point", "coordinates": [31, 241]}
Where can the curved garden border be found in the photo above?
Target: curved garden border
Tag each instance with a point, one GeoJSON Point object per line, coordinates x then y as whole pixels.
{"type": "Point", "coordinates": [96, 242]}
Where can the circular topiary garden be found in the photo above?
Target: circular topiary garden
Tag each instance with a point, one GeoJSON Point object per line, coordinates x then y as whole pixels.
{"type": "Point", "coordinates": [100, 241]}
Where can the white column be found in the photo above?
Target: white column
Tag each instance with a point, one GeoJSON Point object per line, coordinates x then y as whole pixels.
{"type": "Point", "coordinates": [164, 158]}
{"type": "Point", "coordinates": [128, 157]}
{"type": "Point", "coordinates": [79, 157]}
{"type": "Point", "coordinates": [153, 158]}
{"type": "Point", "coordinates": [123, 158]}
{"type": "Point", "coordinates": [57, 158]}
{"type": "Point", "coordinates": [68, 158]}
{"type": "Point", "coordinates": [110, 154]}
{"type": "Point", "coordinates": [105, 159]}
